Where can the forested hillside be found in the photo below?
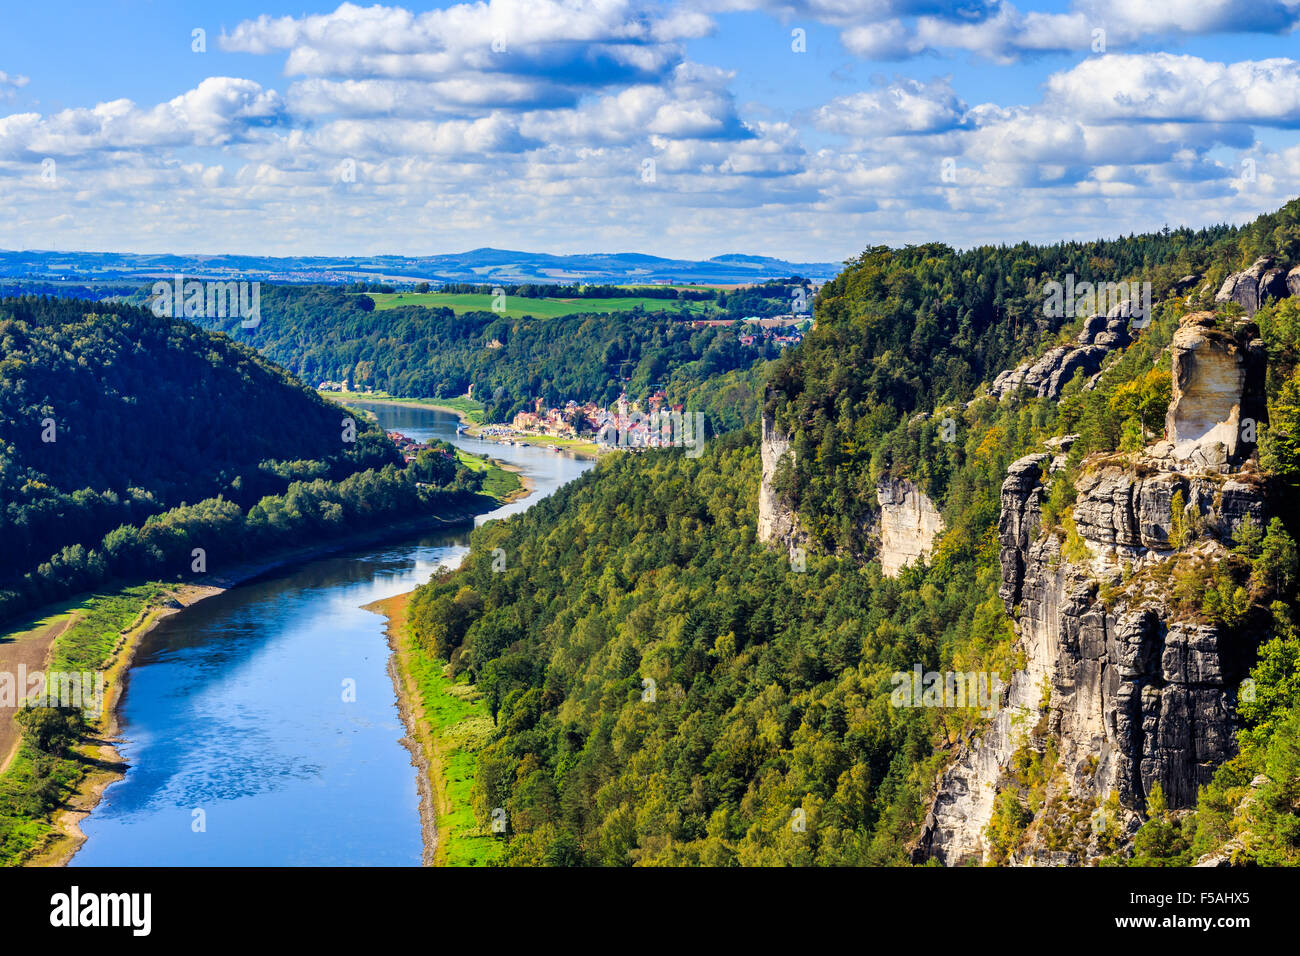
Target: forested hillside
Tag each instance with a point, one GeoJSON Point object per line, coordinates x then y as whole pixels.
{"type": "Point", "coordinates": [326, 334]}
{"type": "Point", "coordinates": [904, 331]}
{"type": "Point", "coordinates": [667, 690]}
{"type": "Point", "coordinates": [109, 414]}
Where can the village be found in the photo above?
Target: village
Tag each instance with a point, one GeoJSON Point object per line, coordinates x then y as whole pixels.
{"type": "Point", "coordinates": [410, 449]}
{"type": "Point", "coordinates": [782, 331]}
{"type": "Point", "coordinates": [627, 424]}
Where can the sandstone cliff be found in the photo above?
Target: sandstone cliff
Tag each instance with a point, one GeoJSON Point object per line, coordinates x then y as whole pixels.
{"type": "Point", "coordinates": [1117, 693]}
{"type": "Point", "coordinates": [777, 521]}
{"type": "Point", "coordinates": [909, 524]}
{"type": "Point", "coordinates": [1218, 387]}
{"type": "Point", "coordinates": [905, 529]}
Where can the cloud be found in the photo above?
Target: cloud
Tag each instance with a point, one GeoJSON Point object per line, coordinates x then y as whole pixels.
{"type": "Point", "coordinates": [1164, 86]}
{"type": "Point", "coordinates": [538, 52]}
{"type": "Point", "coordinates": [1194, 17]}
{"type": "Point", "coordinates": [545, 144]}
{"type": "Point", "coordinates": [694, 103]}
{"type": "Point", "coordinates": [218, 112]}
{"type": "Point", "coordinates": [903, 107]}
{"type": "Point", "coordinates": [1002, 32]}
{"type": "Point", "coordinates": [477, 139]}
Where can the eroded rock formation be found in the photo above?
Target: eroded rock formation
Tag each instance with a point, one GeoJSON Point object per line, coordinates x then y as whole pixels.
{"type": "Point", "coordinates": [909, 524]}
{"type": "Point", "coordinates": [777, 521]}
{"type": "Point", "coordinates": [1257, 285]}
{"type": "Point", "coordinates": [1051, 372]}
{"type": "Point", "coordinates": [1121, 691]}
{"type": "Point", "coordinates": [1218, 391]}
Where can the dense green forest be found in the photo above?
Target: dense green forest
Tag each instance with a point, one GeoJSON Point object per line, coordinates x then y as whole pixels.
{"type": "Point", "coordinates": [110, 416]}
{"type": "Point", "coordinates": [325, 334]}
{"type": "Point", "coordinates": [666, 690]}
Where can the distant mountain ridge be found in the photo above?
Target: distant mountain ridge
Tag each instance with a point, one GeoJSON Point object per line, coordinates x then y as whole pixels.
{"type": "Point", "coordinates": [477, 265]}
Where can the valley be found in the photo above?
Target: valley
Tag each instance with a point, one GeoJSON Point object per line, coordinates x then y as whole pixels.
{"type": "Point", "coordinates": [1067, 535]}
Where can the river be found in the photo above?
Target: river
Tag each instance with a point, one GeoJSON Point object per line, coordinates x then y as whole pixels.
{"type": "Point", "coordinates": [243, 747]}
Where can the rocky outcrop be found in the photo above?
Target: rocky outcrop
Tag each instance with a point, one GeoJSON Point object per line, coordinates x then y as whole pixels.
{"type": "Point", "coordinates": [1125, 694]}
{"type": "Point", "coordinates": [1018, 523]}
{"type": "Point", "coordinates": [1129, 697]}
{"type": "Point", "coordinates": [1218, 392]}
{"type": "Point", "coordinates": [1293, 281]}
{"type": "Point", "coordinates": [1050, 373]}
{"type": "Point", "coordinates": [1126, 517]}
{"type": "Point", "coordinates": [1257, 285]}
{"type": "Point", "coordinates": [777, 521]}
{"type": "Point", "coordinates": [909, 523]}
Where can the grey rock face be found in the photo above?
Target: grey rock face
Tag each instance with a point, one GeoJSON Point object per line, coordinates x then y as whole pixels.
{"type": "Point", "coordinates": [1022, 493]}
{"type": "Point", "coordinates": [1048, 375]}
{"type": "Point", "coordinates": [1092, 326]}
{"type": "Point", "coordinates": [1255, 286]}
{"type": "Point", "coordinates": [1136, 698]}
{"type": "Point", "coordinates": [777, 521]}
{"type": "Point", "coordinates": [1293, 281]}
{"type": "Point", "coordinates": [1273, 285]}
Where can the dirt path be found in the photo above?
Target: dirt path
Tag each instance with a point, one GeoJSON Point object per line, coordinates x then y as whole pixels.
{"type": "Point", "coordinates": [29, 650]}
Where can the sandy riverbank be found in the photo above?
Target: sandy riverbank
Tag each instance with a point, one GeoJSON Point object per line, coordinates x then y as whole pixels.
{"type": "Point", "coordinates": [101, 747]}
{"type": "Point", "coordinates": [447, 722]}
{"type": "Point", "coordinates": [343, 398]}
{"type": "Point", "coordinates": [589, 450]}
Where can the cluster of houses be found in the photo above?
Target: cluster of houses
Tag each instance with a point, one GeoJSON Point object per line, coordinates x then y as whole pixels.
{"type": "Point", "coordinates": [628, 425]}
{"type": "Point", "coordinates": [631, 421]}
{"type": "Point", "coordinates": [328, 386]}
{"type": "Point", "coordinates": [410, 448]}
{"type": "Point", "coordinates": [567, 422]}
{"type": "Point", "coordinates": [782, 330]}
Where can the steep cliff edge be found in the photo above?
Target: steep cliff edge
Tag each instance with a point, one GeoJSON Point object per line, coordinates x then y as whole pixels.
{"type": "Point", "coordinates": [909, 524]}
{"type": "Point", "coordinates": [777, 521]}
{"type": "Point", "coordinates": [905, 529]}
{"type": "Point", "coordinates": [1122, 687]}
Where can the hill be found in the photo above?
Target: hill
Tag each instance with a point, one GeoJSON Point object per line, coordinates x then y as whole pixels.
{"type": "Point", "coordinates": [322, 333]}
{"type": "Point", "coordinates": [672, 687]}
{"type": "Point", "coordinates": [109, 414]}
{"type": "Point", "coordinates": [477, 265]}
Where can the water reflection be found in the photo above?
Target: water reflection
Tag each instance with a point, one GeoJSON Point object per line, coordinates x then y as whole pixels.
{"type": "Point", "coordinates": [236, 708]}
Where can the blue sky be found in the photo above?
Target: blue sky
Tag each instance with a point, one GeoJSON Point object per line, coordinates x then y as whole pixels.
{"type": "Point", "coordinates": [630, 125]}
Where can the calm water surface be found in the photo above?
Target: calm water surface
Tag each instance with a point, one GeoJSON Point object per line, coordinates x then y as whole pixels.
{"type": "Point", "coordinates": [235, 708]}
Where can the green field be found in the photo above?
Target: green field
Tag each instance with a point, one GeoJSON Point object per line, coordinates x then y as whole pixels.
{"type": "Point", "coordinates": [518, 306]}
{"type": "Point", "coordinates": [497, 482]}
{"type": "Point", "coordinates": [461, 723]}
